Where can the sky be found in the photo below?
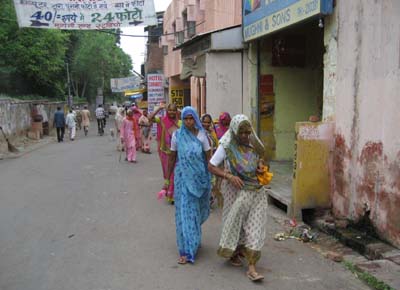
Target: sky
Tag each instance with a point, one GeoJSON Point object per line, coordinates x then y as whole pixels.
{"type": "Point", "coordinates": [135, 46]}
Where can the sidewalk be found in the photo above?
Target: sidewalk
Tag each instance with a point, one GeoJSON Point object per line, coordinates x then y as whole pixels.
{"type": "Point", "coordinates": [25, 146]}
{"type": "Point", "coordinates": [373, 261]}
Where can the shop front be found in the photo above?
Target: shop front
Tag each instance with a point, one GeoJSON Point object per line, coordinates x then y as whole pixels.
{"type": "Point", "coordinates": [286, 47]}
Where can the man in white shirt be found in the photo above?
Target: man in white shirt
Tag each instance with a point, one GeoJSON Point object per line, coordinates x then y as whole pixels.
{"type": "Point", "coordinates": [101, 117]}
{"type": "Point", "coordinates": [71, 124]}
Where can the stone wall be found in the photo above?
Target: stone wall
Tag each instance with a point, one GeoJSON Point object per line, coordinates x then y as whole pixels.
{"type": "Point", "coordinates": [15, 117]}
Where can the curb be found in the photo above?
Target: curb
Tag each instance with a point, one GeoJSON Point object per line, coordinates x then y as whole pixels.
{"type": "Point", "coordinates": [43, 142]}
{"type": "Point", "coordinates": [374, 262]}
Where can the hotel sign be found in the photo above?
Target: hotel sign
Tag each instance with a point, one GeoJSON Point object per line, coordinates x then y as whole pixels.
{"type": "Point", "coordinates": [262, 17]}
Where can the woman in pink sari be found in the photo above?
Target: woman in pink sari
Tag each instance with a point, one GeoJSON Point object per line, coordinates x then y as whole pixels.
{"type": "Point", "coordinates": [166, 126]}
{"type": "Point", "coordinates": [128, 132]}
{"type": "Point", "coordinates": [223, 124]}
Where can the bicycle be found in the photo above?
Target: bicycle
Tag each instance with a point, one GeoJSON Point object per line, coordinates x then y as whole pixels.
{"type": "Point", "coordinates": [100, 125]}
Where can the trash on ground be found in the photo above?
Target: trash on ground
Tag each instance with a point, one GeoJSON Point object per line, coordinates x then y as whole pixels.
{"type": "Point", "coordinates": [298, 232]}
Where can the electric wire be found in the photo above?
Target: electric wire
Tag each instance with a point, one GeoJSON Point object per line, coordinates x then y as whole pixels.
{"type": "Point", "coordinates": [123, 34]}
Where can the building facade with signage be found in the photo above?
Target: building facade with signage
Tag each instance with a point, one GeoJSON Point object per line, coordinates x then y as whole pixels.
{"type": "Point", "coordinates": [336, 61]}
{"type": "Point", "coordinates": [216, 64]}
{"type": "Point", "coordinates": [183, 21]}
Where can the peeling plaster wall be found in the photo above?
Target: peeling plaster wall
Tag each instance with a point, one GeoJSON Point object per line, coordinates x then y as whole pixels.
{"type": "Point", "coordinates": [367, 142]}
{"type": "Point", "coordinates": [330, 66]}
{"type": "Point", "coordinates": [224, 83]}
{"type": "Point", "coordinates": [15, 117]}
{"type": "Point", "coordinates": [252, 106]}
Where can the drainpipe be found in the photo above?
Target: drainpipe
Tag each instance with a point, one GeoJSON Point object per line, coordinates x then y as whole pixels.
{"type": "Point", "coordinates": [242, 63]}
{"type": "Point", "coordinates": [258, 89]}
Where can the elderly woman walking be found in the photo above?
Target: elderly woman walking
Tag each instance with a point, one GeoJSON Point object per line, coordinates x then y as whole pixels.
{"type": "Point", "coordinates": [245, 199]}
{"type": "Point", "coordinates": [128, 133]}
{"type": "Point", "coordinates": [119, 118]}
{"type": "Point", "coordinates": [190, 150]}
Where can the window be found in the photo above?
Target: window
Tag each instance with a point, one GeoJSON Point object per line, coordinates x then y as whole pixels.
{"type": "Point", "coordinates": [165, 49]}
{"type": "Point", "coordinates": [179, 37]}
{"type": "Point", "coordinates": [191, 29]}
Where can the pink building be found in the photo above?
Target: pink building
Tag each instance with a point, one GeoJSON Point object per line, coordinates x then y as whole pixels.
{"type": "Point", "coordinates": [185, 20]}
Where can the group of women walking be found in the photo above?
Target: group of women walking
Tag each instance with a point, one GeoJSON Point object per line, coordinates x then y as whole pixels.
{"type": "Point", "coordinates": [191, 151]}
{"type": "Point", "coordinates": [199, 160]}
{"type": "Point", "coordinates": [133, 130]}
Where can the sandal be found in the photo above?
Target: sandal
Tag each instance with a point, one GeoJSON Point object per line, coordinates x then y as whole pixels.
{"type": "Point", "coordinates": [254, 276]}
{"type": "Point", "coordinates": [182, 260]}
{"type": "Point", "coordinates": [235, 261]}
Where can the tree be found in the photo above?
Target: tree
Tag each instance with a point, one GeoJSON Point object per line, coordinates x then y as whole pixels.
{"type": "Point", "coordinates": [95, 59]}
{"type": "Point", "coordinates": [35, 56]}
{"type": "Point", "coordinates": [33, 61]}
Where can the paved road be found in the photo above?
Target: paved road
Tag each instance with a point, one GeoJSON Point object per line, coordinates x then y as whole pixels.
{"type": "Point", "coordinates": [73, 217]}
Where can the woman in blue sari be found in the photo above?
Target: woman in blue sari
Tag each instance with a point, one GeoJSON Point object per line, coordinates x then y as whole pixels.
{"type": "Point", "coordinates": [190, 150]}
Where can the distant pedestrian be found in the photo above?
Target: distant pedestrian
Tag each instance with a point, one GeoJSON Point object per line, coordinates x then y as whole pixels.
{"type": "Point", "coordinates": [128, 133]}
{"type": "Point", "coordinates": [119, 118]}
{"type": "Point", "coordinates": [245, 198]}
{"type": "Point", "coordinates": [208, 125]}
{"type": "Point", "coordinates": [78, 118]}
{"type": "Point", "coordinates": [85, 113]}
{"type": "Point", "coordinates": [59, 124]}
{"type": "Point", "coordinates": [223, 124]}
{"type": "Point", "coordinates": [145, 128]}
{"type": "Point", "coordinates": [190, 150]}
{"type": "Point", "coordinates": [101, 119]}
{"type": "Point", "coordinates": [70, 121]}
{"type": "Point", "coordinates": [137, 114]}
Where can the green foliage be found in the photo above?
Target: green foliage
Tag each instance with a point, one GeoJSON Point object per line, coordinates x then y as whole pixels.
{"type": "Point", "coordinates": [33, 57]}
{"type": "Point", "coordinates": [367, 278]}
{"type": "Point", "coordinates": [33, 61]}
{"type": "Point", "coordinates": [95, 59]}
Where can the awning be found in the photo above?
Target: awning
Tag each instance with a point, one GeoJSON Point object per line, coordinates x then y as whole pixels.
{"type": "Point", "coordinates": [134, 92]}
{"type": "Point", "coordinates": [136, 96]}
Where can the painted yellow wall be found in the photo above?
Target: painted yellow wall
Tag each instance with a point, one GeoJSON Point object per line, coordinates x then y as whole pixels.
{"type": "Point", "coordinates": [297, 90]}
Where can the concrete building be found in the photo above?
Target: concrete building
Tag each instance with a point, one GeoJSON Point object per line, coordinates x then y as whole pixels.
{"type": "Point", "coordinates": [154, 57]}
{"type": "Point", "coordinates": [189, 26]}
{"type": "Point", "coordinates": [340, 63]}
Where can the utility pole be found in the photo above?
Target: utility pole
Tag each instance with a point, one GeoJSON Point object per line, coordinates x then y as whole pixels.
{"type": "Point", "coordinates": [69, 101]}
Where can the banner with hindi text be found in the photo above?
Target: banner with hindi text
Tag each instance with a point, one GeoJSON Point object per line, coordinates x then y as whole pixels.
{"type": "Point", "coordinates": [84, 14]}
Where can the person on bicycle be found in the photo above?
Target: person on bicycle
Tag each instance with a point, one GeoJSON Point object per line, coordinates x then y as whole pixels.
{"type": "Point", "coordinates": [100, 116]}
{"type": "Point", "coordinates": [85, 113]}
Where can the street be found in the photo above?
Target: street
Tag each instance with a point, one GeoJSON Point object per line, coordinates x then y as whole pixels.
{"type": "Point", "coordinates": [76, 216]}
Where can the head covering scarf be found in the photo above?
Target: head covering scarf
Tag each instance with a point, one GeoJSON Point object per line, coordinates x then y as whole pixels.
{"type": "Point", "coordinates": [221, 129]}
{"type": "Point", "coordinates": [242, 163]}
{"type": "Point", "coordinates": [191, 111]}
{"type": "Point", "coordinates": [211, 133]}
